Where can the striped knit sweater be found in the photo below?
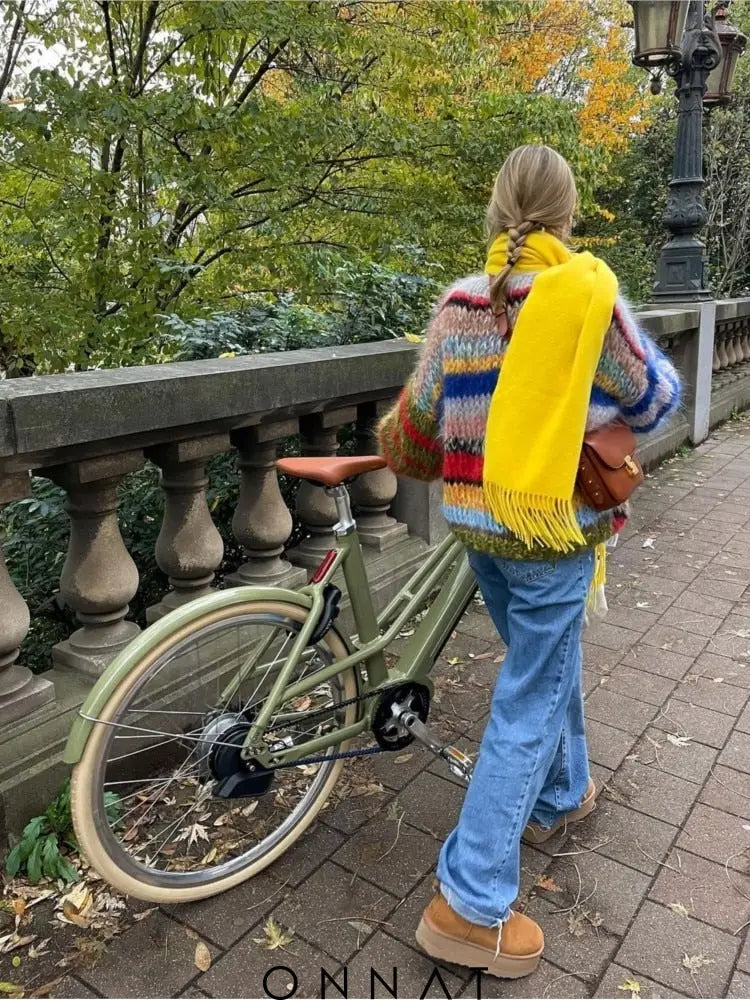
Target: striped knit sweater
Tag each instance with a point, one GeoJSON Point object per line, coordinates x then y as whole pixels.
{"type": "Point", "coordinates": [437, 427]}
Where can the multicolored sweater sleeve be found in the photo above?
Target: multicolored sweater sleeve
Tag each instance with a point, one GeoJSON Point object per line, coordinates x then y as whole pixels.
{"type": "Point", "coordinates": [634, 381]}
{"type": "Point", "coordinates": [410, 434]}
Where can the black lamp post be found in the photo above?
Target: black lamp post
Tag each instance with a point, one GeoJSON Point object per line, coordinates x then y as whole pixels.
{"type": "Point", "coordinates": [696, 48]}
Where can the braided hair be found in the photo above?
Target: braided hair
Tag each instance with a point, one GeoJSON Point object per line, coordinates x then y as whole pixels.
{"type": "Point", "coordinates": [534, 189]}
{"type": "Point", "coordinates": [516, 240]}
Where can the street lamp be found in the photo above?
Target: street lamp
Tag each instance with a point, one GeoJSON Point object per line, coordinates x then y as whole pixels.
{"type": "Point", "coordinates": [682, 38]}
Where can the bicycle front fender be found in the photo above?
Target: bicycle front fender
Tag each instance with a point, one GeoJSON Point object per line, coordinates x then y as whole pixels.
{"type": "Point", "coordinates": [151, 637]}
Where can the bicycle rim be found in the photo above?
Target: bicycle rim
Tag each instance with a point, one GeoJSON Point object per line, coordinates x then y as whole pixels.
{"type": "Point", "coordinates": [144, 801]}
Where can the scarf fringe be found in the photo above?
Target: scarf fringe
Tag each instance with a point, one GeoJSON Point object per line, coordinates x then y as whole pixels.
{"type": "Point", "coordinates": [536, 519]}
{"type": "Point", "coordinates": [596, 602]}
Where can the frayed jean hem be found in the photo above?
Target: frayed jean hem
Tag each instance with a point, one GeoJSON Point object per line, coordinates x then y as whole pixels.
{"type": "Point", "coordinates": [469, 913]}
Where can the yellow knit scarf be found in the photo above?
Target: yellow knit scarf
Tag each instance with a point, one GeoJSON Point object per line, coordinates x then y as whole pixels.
{"type": "Point", "coordinates": [538, 411]}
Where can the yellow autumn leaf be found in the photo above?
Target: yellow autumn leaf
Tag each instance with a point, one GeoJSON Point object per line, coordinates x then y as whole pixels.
{"type": "Point", "coordinates": [202, 957]}
{"type": "Point", "coordinates": [414, 338]}
{"type": "Point", "coordinates": [275, 936]}
{"type": "Point", "coordinates": [631, 986]}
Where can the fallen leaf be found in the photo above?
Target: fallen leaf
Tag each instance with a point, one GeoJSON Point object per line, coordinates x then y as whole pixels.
{"type": "Point", "coordinates": [360, 926]}
{"type": "Point", "coordinates": [76, 905]}
{"type": "Point", "coordinates": [19, 907]}
{"type": "Point", "coordinates": [11, 989]}
{"type": "Point", "coordinates": [144, 913]}
{"type": "Point", "coordinates": [37, 950]}
{"type": "Point", "coordinates": [694, 963]}
{"type": "Point", "coordinates": [454, 661]}
{"type": "Point", "coordinates": [275, 936]}
{"type": "Point", "coordinates": [303, 703]}
{"type": "Point", "coordinates": [678, 741]}
{"type": "Point", "coordinates": [192, 834]}
{"type": "Point", "coordinates": [414, 338]}
{"type": "Point", "coordinates": [548, 884]}
{"type": "Point", "coordinates": [631, 986]}
{"type": "Point", "coordinates": [679, 909]}
{"type": "Point", "coordinates": [46, 988]}
{"type": "Point", "coordinates": [638, 604]}
{"type": "Point", "coordinates": [649, 543]}
{"type": "Point", "coordinates": [189, 932]}
{"type": "Point", "coordinates": [202, 957]}
{"type": "Point", "coordinates": [576, 924]}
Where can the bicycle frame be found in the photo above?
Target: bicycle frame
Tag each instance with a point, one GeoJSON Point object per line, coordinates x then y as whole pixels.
{"type": "Point", "coordinates": [446, 567]}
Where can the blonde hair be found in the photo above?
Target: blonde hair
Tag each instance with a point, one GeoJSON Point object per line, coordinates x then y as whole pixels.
{"type": "Point", "coordinates": [535, 189]}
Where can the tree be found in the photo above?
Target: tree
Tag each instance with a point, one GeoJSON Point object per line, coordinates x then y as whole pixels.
{"type": "Point", "coordinates": [179, 157]}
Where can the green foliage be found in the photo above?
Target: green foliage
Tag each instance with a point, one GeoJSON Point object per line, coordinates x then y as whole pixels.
{"type": "Point", "coordinates": [177, 159]}
{"type": "Point", "coordinates": [39, 852]}
{"type": "Point", "coordinates": [369, 303]}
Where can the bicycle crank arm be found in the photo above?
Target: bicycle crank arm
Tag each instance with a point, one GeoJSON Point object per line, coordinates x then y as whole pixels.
{"type": "Point", "coordinates": [458, 762]}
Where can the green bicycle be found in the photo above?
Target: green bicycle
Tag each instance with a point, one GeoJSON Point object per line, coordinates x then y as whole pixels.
{"type": "Point", "coordinates": [211, 743]}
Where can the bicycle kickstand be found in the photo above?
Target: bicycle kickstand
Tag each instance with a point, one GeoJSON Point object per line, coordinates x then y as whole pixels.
{"type": "Point", "coordinates": [458, 762]}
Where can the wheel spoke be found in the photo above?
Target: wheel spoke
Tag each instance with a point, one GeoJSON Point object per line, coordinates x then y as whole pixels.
{"type": "Point", "coordinates": [176, 736]}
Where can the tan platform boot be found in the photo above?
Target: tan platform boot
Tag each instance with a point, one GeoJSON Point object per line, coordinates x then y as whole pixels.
{"type": "Point", "coordinates": [445, 935]}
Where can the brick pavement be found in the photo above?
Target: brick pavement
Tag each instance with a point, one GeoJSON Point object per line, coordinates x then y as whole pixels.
{"type": "Point", "coordinates": [654, 887]}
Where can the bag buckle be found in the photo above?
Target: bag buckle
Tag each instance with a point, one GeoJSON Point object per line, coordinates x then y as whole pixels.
{"type": "Point", "coordinates": [630, 465]}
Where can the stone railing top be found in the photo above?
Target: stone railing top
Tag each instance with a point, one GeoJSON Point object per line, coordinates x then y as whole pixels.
{"type": "Point", "coordinates": [661, 322]}
{"type": "Point", "coordinates": [147, 404]}
{"type": "Point", "coordinates": [727, 309]}
{"type": "Point", "coordinates": [53, 418]}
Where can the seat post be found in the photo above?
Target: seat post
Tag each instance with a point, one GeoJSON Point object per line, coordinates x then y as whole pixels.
{"type": "Point", "coordinates": [345, 524]}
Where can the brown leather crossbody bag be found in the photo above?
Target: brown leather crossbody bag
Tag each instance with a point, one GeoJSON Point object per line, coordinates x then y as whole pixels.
{"type": "Point", "coordinates": [608, 471]}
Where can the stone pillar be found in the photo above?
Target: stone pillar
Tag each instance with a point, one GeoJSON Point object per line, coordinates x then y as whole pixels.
{"type": "Point", "coordinates": [189, 548]}
{"type": "Point", "coordinates": [316, 511]}
{"type": "Point", "coordinates": [21, 692]}
{"type": "Point", "coordinates": [373, 493]}
{"type": "Point", "coordinates": [696, 369]}
{"type": "Point", "coordinates": [98, 578]}
{"type": "Point", "coordinates": [262, 523]}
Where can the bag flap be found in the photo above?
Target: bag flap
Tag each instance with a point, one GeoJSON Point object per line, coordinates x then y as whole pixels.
{"type": "Point", "coordinates": [611, 444]}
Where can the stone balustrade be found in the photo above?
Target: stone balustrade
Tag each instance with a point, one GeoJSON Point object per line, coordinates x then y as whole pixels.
{"type": "Point", "coordinates": [88, 432]}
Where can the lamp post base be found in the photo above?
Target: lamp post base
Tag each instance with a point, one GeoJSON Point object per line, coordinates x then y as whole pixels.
{"type": "Point", "coordinates": [682, 274]}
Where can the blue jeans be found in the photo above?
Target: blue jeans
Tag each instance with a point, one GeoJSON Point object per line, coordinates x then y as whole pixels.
{"type": "Point", "coordinates": [533, 763]}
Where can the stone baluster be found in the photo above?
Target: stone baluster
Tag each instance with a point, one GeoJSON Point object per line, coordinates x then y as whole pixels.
{"type": "Point", "coordinates": [374, 492]}
{"type": "Point", "coordinates": [716, 363]}
{"type": "Point", "coordinates": [189, 548]}
{"type": "Point", "coordinates": [729, 341]}
{"type": "Point", "coordinates": [21, 692]}
{"type": "Point", "coordinates": [98, 578]}
{"type": "Point", "coordinates": [737, 343]}
{"type": "Point", "coordinates": [316, 511]}
{"type": "Point", "coordinates": [262, 522]}
{"type": "Point", "coordinates": [745, 341]}
{"type": "Point", "coordinates": [723, 357]}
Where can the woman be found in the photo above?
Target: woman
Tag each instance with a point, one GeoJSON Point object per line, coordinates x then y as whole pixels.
{"type": "Point", "coordinates": [571, 359]}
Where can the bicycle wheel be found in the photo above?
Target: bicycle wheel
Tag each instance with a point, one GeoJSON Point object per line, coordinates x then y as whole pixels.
{"type": "Point", "coordinates": [143, 802]}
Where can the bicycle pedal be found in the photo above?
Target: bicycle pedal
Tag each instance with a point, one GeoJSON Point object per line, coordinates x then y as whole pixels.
{"type": "Point", "coordinates": [458, 762]}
